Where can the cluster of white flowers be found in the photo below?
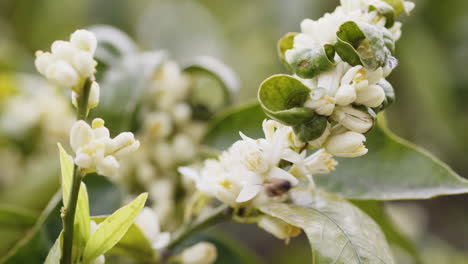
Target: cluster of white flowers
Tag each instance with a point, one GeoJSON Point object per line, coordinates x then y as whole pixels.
{"type": "Point", "coordinates": [346, 94]}
{"type": "Point", "coordinates": [36, 105]}
{"type": "Point", "coordinates": [169, 137]}
{"type": "Point", "coordinates": [70, 62]}
{"type": "Point", "coordinates": [71, 65]}
{"type": "Point", "coordinates": [252, 165]}
{"type": "Point", "coordinates": [96, 151]}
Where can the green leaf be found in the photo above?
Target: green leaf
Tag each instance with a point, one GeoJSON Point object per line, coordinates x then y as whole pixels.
{"type": "Point", "coordinates": [282, 98]}
{"type": "Point", "coordinates": [385, 10]}
{"type": "Point", "coordinates": [308, 63]}
{"type": "Point", "coordinates": [393, 169]}
{"type": "Point", "coordinates": [82, 217]}
{"type": "Point", "coordinates": [362, 44]}
{"type": "Point", "coordinates": [398, 5]}
{"type": "Point", "coordinates": [224, 129]}
{"type": "Point", "coordinates": [134, 244]}
{"type": "Point", "coordinates": [377, 211]}
{"type": "Point", "coordinates": [16, 217]}
{"type": "Point", "coordinates": [337, 231]}
{"type": "Point", "coordinates": [312, 128]}
{"type": "Point", "coordinates": [111, 230]}
{"type": "Point", "coordinates": [285, 43]}
{"type": "Point", "coordinates": [55, 252]}
{"type": "Point", "coordinates": [227, 83]}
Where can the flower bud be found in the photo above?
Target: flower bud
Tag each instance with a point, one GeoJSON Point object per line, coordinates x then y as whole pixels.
{"type": "Point", "coordinates": [322, 105]}
{"type": "Point", "coordinates": [158, 125]}
{"type": "Point", "coordinates": [321, 162]}
{"type": "Point", "coordinates": [107, 166]}
{"type": "Point", "coordinates": [372, 96]}
{"type": "Point", "coordinates": [43, 61]}
{"type": "Point", "coordinates": [181, 113]}
{"type": "Point", "coordinates": [184, 148]}
{"type": "Point", "coordinates": [201, 253]}
{"type": "Point", "coordinates": [83, 160]}
{"type": "Point", "coordinates": [93, 99]}
{"type": "Point", "coordinates": [122, 145]}
{"type": "Point", "coordinates": [80, 135]}
{"type": "Point", "coordinates": [84, 63]}
{"type": "Point", "coordinates": [63, 50]}
{"type": "Point", "coordinates": [345, 95]}
{"type": "Point", "coordinates": [84, 40]}
{"type": "Point", "coordinates": [348, 144]}
{"type": "Point", "coordinates": [148, 222]}
{"type": "Point", "coordinates": [278, 228]}
{"type": "Point", "coordinates": [62, 74]}
{"type": "Point", "coordinates": [99, 260]}
{"type": "Point", "coordinates": [353, 119]}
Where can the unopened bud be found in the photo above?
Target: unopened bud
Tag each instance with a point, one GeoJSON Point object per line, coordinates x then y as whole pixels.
{"type": "Point", "coordinates": [201, 253]}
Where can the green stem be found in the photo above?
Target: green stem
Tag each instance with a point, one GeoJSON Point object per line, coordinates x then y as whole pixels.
{"type": "Point", "coordinates": [218, 215]}
{"type": "Point", "coordinates": [68, 213]}
{"type": "Point", "coordinates": [69, 217]}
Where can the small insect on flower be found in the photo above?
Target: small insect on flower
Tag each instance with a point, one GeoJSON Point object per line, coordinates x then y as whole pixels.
{"type": "Point", "coordinates": [277, 187]}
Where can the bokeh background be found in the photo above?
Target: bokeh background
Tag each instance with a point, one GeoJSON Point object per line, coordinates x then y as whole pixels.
{"type": "Point", "coordinates": [431, 81]}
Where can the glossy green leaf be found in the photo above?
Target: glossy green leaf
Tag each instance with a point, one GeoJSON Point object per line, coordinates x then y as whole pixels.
{"type": "Point", "coordinates": [394, 236]}
{"type": "Point", "coordinates": [111, 230]}
{"type": "Point", "coordinates": [312, 128]}
{"type": "Point", "coordinates": [393, 169]}
{"type": "Point", "coordinates": [55, 252]}
{"type": "Point", "coordinates": [362, 44]}
{"type": "Point", "coordinates": [82, 217]}
{"type": "Point", "coordinates": [224, 129]}
{"type": "Point", "coordinates": [308, 63]}
{"type": "Point", "coordinates": [227, 81]}
{"type": "Point", "coordinates": [134, 244]}
{"type": "Point", "coordinates": [282, 98]}
{"type": "Point", "coordinates": [338, 231]}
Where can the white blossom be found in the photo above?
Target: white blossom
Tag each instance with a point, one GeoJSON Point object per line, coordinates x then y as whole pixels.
{"type": "Point", "coordinates": [200, 253]}
{"type": "Point", "coordinates": [321, 162]}
{"type": "Point", "coordinates": [278, 228]}
{"type": "Point", "coordinates": [96, 151]}
{"type": "Point", "coordinates": [69, 63]}
{"type": "Point", "coordinates": [353, 119]}
{"type": "Point", "coordinates": [148, 222]}
{"type": "Point", "coordinates": [347, 144]}
{"type": "Point", "coordinates": [84, 40]}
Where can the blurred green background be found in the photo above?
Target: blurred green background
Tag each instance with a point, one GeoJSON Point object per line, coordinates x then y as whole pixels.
{"type": "Point", "coordinates": [431, 81]}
